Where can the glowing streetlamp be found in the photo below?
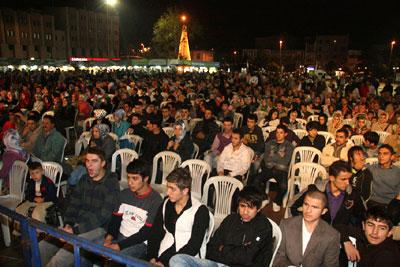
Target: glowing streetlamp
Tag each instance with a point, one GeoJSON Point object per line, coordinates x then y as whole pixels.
{"type": "Point", "coordinates": [111, 2]}
{"type": "Point", "coordinates": [183, 18]}
{"type": "Point", "coordinates": [391, 51]}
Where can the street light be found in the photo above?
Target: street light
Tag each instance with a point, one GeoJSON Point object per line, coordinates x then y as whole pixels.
{"type": "Point", "coordinates": [391, 52]}
{"type": "Point", "coordinates": [109, 3]}
{"type": "Point", "coordinates": [280, 53]}
{"type": "Point", "coordinates": [183, 18]}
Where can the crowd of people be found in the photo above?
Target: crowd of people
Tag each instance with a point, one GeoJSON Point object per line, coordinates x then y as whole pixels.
{"type": "Point", "coordinates": [246, 126]}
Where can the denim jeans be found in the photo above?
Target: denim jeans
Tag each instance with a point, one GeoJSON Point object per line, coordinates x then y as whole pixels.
{"type": "Point", "coordinates": [183, 260]}
{"type": "Point", "coordinates": [53, 252]}
{"type": "Point", "coordinates": [137, 251]}
{"type": "Point", "coordinates": [76, 175]}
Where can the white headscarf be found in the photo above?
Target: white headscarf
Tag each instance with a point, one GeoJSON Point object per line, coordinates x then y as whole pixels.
{"type": "Point", "coordinates": [11, 141]}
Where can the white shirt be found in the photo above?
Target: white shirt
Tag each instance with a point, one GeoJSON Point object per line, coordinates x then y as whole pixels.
{"type": "Point", "coordinates": [306, 236]}
{"type": "Point", "coordinates": [238, 162]}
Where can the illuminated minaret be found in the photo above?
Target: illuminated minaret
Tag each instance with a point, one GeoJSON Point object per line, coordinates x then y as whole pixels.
{"type": "Point", "coordinates": [184, 51]}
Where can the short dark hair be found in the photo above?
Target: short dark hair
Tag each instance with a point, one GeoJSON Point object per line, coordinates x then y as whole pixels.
{"type": "Point", "coordinates": [388, 147]}
{"type": "Point", "coordinates": [352, 151]}
{"type": "Point", "coordinates": [282, 127]}
{"type": "Point", "coordinates": [229, 119]}
{"type": "Point", "coordinates": [252, 196]}
{"type": "Point", "coordinates": [155, 121]}
{"type": "Point", "coordinates": [96, 151]}
{"type": "Point", "coordinates": [138, 166]}
{"type": "Point", "coordinates": [311, 125]}
{"type": "Point", "coordinates": [35, 165]}
{"type": "Point", "coordinates": [284, 120]}
{"type": "Point", "coordinates": [339, 166]}
{"type": "Point", "coordinates": [314, 192]}
{"type": "Point", "coordinates": [380, 214]}
{"type": "Point", "coordinates": [372, 137]}
{"type": "Point", "coordinates": [344, 130]}
{"type": "Point", "coordinates": [181, 177]}
{"type": "Point", "coordinates": [50, 118]}
{"type": "Point", "coordinates": [252, 117]}
{"type": "Point", "coordinates": [238, 131]}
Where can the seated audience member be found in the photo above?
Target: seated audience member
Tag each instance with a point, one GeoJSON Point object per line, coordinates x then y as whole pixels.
{"type": "Point", "coordinates": [49, 144]}
{"type": "Point", "coordinates": [345, 206]}
{"type": "Point", "coordinates": [307, 239]}
{"type": "Point", "coordinates": [167, 119]}
{"type": "Point", "coordinates": [64, 115]}
{"type": "Point", "coordinates": [293, 123]}
{"type": "Point", "coordinates": [180, 142]}
{"type": "Point", "coordinates": [336, 123]}
{"type": "Point", "coordinates": [382, 125]}
{"type": "Point", "coordinates": [134, 214]}
{"type": "Point", "coordinates": [337, 150]}
{"type": "Point", "coordinates": [155, 140]}
{"type": "Point", "coordinates": [204, 132]}
{"type": "Point", "coordinates": [221, 140]}
{"type": "Point", "coordinates": [88, 211]}
{"type": "Point", "coordinates": [242, 239]}
{"type": "Point", "coordinates": [12, 152]}
{"type": "Point", "coordinates": [137, 126]}
{"type": "Point", "coordinates": [254, 138]}
{"type": "Point", "coordinates": [103, 141]}
{"type": "Point", "coordinates": [361, 126]}
{"type": "Point", "coordinates": [370, 144]}
{"type": "Point", "coordinates": [184, 114]}
{"type": "Point", "coordinates": [394, 141]}
{"type": "Point", "coordinates": [31, 132]}
{"type": "Point", "coordinates": [225, 111]}
{"type": "Point", "coordinates": [386, 177]}
{"type": "Point", "coordinates": [322, 122]}
{"type": "Point", "coordinates": [236, 157]}
{"type": "Point", "coordinates": [313, 139]}
{"type": "Point", "coordinates": [361, 178]}
{"type": "Point", "coordinates": [181, 223]}
{"type": "Point", "coordinates": [374, 243]}
{"type": "Point", "coordinates": [277, 156]}
{"type": "Point", "coordinates": [40, 194]}
{"type": "Point", "coordinates": [291, 136]}
{"type": "Point", "coordinates": [119, 126]}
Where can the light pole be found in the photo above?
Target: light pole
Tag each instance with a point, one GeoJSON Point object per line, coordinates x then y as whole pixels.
{"type": "Point", "coordinates": [391, 52]}
{"type": "Point", "coordinates": [280, 53]}
{"type": "Point", "coordinates": [109, 3]}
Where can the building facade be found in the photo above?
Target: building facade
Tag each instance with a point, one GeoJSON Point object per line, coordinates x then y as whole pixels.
{"type": "Point", "coordinates": [58, 33]}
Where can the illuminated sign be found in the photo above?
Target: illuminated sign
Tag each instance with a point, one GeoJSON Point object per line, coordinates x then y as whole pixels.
{"type": "Point", "coordinates": [82, 59]}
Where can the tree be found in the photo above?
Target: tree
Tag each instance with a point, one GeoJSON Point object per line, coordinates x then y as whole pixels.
{"type": "Point", "coordinates": [167, 33]}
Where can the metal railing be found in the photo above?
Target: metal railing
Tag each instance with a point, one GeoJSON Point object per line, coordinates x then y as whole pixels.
{"type": "Point", "coordinates": [30, 246]}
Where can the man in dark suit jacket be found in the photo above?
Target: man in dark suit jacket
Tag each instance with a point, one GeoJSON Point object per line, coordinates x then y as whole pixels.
{"type": "Point", "coordinates": [308, 240]}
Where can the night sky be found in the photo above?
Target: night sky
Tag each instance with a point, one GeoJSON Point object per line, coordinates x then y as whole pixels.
{"type": "Point", "coordinates": [235, 24]}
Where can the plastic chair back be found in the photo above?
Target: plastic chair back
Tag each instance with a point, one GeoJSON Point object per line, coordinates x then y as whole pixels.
{"type": "Point", "coordinates": [198, 168]}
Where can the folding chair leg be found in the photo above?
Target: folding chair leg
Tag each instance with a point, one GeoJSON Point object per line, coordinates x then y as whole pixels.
{"type": "Point", "coordinates": [5, 227]}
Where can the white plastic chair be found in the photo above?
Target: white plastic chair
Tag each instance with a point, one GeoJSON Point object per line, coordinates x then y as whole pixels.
{"type": "Point", "coordinates": [357, 139]}
{"type": "Point", "coordinates": [274, 122]}
{"type": "Point", "coordinates": [48, 113]}
{"type": "Point", "coordinates": [237, 120]}
{"type": "Point", "coordinates": [126, 155]}
{"type": "Point", "coordinates": [302, 122]}
{"type": "Point", "coordinates": [382, 136]}
{"type": "Point", "coordinates": [198, 168]}
{"type": "Point", "coordinates": [17, 175]}
{"type": "Point", "coordinates": [304, 174]}
{"type": "Point", "coordinates": [277, 235]}
{"type": "Point", "coordinates": [220, 125]}
{"type": "Point", "coordinates": [193, 123]}
{"type": "Point", "coordinates": [196, 150]}
{"type": "Point", "coordinates": [329, 137]}
{"type": "Point", "coordinates": [79, 144]}
{"type": "Point", "coordinates": [63, 151]}
{"type": "Point", "coordinates": [371, 161]}
{"type": "Point", "coordinates": [348, 122]}
{"type": "Point", "coordinates": [224, 187]}
{"type": "Point", "coordinates": [135, 139]}
{"type": "Point", "coordinates": [169, 161]}
{"type": "Point", "coordinates": [300, 133]}
{"type": "Point", "coordinates": [168, 131]}
{"type": "Point", "coordinates": [305, 154]}
{"type": "Point", "coordinates": [312, 118]}
{"type": "Point", "coordinates": [67, 129]}
{"type": "Point", "coordinates": [54, 171]}
{"type": "Point", "coordinates": [88, 121]}
{"type": "Point", "coordinates": [267, 131]}
{"type": "Point", "coordinates": [260, 115]}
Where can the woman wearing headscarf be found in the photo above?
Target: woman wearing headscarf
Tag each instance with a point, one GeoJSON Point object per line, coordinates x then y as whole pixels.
{"type": "Point", "coordinates": [382, 125]}
{"type": "Point", "coordinates": [119, 126]}
{"type": "Point", "coordinates": [180, 142]}
{"type": "Point", "coordinates": [13, 151]}
{"type": "Point", "coordinates": [102, 140]}
{"type": "Point", "coordinates": [336, 123]}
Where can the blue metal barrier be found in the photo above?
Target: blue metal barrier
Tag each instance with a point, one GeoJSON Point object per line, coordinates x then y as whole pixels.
{"type": "Point", "coordinates": [30, 246]}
